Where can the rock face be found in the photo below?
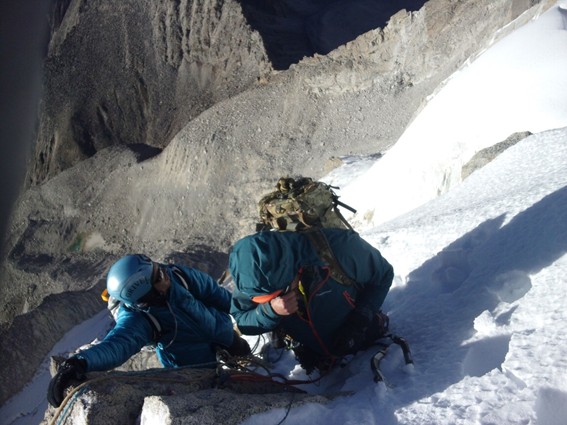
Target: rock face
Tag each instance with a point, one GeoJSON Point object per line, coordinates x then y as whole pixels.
{"type": "Point", "coordinates": [480, 159]}
{"type": "Point", "coordinates": [292, 30]}
{"type": "Point", "coordinates": [187, 396]}
{"type": "Point", "coordinates": [162, 124]}
{"type": "Point", "coordinates": [135, 72]}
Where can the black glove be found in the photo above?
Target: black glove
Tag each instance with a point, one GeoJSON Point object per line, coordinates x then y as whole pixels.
{"type": "Point", "coordinates": [307, 358]}
{"type": "Point", "coordinates": [239, 346]}
{"type": "Point", "coordinates": [351, 336]}
{"type": "Point", "coordinates": [70, 371]}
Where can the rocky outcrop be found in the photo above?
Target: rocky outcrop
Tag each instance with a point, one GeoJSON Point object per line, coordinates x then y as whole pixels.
{"type": "Point", "coordinates": [293, 29]}
{"type": "Point", "coordinates": [483, 157]}
{"type": "Point", "coordinates": [135, 72]}
{"type": "Point", "coordinates": [187, 396]}
{"type": "Point", "coordinates": [196, 190]}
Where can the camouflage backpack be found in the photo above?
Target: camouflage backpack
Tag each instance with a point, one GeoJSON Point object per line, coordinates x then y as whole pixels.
{"type": "Point", "coordinates": [300, 204]}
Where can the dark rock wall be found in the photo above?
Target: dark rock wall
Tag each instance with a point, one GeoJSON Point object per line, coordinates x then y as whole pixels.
{"type": "Point", "coordinates": [292, 29]}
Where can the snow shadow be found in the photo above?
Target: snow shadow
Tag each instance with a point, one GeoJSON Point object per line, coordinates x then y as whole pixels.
{"type": "Point", "coordinates": [563, 11]}
{"type": "Point", "coordinates": [551, 407]}
{"type": "Point", "coordinates": [293, 29]}
{"type": "Point", "coordinates": [486, 268]}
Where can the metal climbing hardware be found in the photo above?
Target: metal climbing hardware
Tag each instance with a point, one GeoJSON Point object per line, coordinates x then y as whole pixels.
{"type": "Point", "coordinates": [381, 353]}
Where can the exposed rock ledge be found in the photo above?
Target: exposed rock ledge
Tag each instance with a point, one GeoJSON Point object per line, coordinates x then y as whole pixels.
{"type": "Point", "coordinates": [181, 396]}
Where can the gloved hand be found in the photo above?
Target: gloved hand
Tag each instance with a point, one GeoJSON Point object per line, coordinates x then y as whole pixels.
{"type": "Point", "coordinates": [239, 346]}
{"type": "Point", "coordinates": [352, 334]}
{"type": "Point", "coordinates": [70, 371]}
{"type": "Point", "coordinates": [307, 358]}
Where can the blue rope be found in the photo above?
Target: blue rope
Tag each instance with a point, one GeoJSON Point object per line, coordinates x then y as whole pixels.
{"type": "Point", "coordinates": [69, 404]}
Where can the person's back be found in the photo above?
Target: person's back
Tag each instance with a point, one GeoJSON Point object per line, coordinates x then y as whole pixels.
{"type": "Point", "coordinates": [267, 265]}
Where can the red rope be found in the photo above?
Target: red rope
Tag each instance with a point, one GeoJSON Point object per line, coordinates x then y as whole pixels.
{"type": "Point", "coordinates": [255, 377]}
{"type": "Point", "coordinates": [310, 321]}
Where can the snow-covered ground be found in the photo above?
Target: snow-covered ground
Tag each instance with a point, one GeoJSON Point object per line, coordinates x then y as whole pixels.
{"type": "Point", "coordinates": [519, 84]}
{"type": "Point", "coordinates": [480, 290]}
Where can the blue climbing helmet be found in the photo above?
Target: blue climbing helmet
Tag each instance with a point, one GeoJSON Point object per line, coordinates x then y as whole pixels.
{"type": "Point", "coordinates": [130, 278]}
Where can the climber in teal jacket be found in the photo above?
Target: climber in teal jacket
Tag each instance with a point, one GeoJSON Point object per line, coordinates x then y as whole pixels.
{"type": "Point", "coordinates": [181, 310]}
{"type": "Point", "coordinates": [283, 284]}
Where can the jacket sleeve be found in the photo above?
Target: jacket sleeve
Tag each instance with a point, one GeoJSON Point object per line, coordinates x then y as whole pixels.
{"type": "Point", "coordinates": [207, 290]}
{"type": "Point", "coordinates": [213, 324]}
{"type": "Point", "coordinates": [131, 332]}
{"type": "Point", "coordinates": [261, 264]}
{"type": "Point", "coordinates": [252, 318]}
{"type": "Point", "coordinates": [365, 264]}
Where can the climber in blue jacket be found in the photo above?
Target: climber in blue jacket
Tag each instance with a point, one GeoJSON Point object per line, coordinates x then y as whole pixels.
{"type": "Point", "coordinates": [283, 284]}
{"type": "Point", "coordinates": [181, 310]}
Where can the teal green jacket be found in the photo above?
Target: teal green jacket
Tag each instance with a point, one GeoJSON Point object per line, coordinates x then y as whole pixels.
{"type": "Point", "coordinates": [265, 262]}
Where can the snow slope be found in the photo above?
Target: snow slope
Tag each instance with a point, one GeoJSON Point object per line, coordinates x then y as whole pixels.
{"type": "Point", "coordinates": [480, 290]}
{"type": "Point", "coordinates": [480, 293]}
{"type": "Point", "coordinates": [519, 84]}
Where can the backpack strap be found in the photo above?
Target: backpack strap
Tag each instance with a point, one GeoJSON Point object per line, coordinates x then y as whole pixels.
{"type": "Point", "coordinates": [181, 275]}
{"type": "Point", "coordinates": [152, 320]}
{"type": "Point", "coordinates": [339, 214]}
{"type": "Point", "coordinates": [323, 248]}
{"type": "Point", "coordinates": [154, 323]}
